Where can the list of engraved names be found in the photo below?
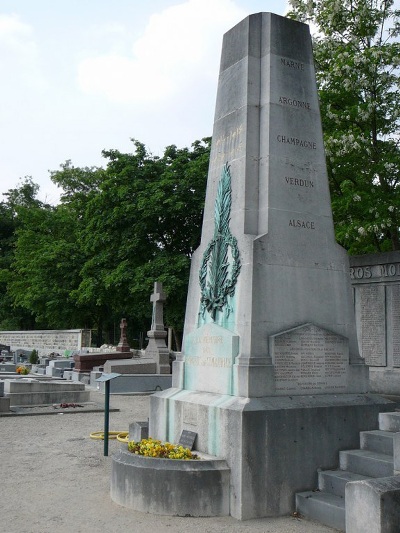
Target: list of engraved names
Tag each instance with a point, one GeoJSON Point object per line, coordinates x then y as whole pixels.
{"type": "Point", "coordinates": [310, 359]}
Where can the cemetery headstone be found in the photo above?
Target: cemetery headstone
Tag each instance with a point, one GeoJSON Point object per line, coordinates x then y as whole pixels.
{"type": "Point", "coordinates": [157, 348]}
{"type": "Point", "coordinates": [123, 345]}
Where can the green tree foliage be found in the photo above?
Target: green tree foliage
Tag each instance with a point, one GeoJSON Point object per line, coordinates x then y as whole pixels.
{"type": "Point", "coordinates": [357, 59]}
{"type": "Point", "coordinates": [94, 258]}
{"type": "Point", "coordinates": [13, 316]}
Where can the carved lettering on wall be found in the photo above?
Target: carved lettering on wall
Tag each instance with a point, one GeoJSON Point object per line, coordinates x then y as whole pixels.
{"type": "Point", "coordinates": [294, 141]}
{"type": "Point", "coordinates": [387, 271]}
{"type": "Point", "coordinates": [289, 63]}
{"type": "Point", "coordinates": [293, 102]}
{"type": "Point", "coordinates": [394, 333]}
{"type": "Point", "coordinates": [372, 324]}
{"type": "Point", "coordinates": [310, 359]}
{"type": "Point", "coordinates": [305, 224]}
{"type": "Point", "coordinates": [299, 182]}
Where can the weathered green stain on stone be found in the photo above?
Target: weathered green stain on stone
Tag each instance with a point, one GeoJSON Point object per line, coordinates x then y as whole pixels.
{"type": "Point", "coordinates": [221, 259]}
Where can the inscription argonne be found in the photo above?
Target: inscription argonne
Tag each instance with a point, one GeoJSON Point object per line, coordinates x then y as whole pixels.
{"type": "Point", "coordinates": [293, 102]}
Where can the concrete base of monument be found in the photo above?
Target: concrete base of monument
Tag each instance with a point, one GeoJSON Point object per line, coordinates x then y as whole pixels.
{"type": "Point", "coordinates": [274, 446]}
{"type": "Point", "coordinates": [385, 380]}
{"type": "Point", "coordinates": [170, 487]}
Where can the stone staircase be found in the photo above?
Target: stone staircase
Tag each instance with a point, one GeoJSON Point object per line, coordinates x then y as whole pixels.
{"type": "Point", "coordinates": [374, 459]}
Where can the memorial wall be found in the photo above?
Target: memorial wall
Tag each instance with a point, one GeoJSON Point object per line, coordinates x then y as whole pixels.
{"type": "Point", "coordinates": [47, 341]}
{"type": "Point", "coordinates": [376, 288]}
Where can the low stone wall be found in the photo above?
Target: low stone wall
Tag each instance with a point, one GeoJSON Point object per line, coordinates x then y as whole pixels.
{"type": "Point", "coordinates": [47, 341]}
{"type": "Point", "coordinates": [195, 488]}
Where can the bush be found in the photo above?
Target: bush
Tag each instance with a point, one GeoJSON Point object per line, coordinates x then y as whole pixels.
{"type": "Point", "coordinates": [34, 357]}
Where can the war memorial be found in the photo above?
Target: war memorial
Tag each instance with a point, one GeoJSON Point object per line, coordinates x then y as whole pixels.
{"type": "Point", "coordinates": [270, 379]}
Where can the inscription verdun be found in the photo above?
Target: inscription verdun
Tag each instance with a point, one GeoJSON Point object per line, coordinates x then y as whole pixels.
{"type": "Point", "coordinates": [310, 359]}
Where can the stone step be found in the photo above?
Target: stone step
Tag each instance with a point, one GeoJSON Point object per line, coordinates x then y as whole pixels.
{"type": "Point", "coordinates": [334, 481]}
{"type": "Point", "coordinates": [389, 421]}
{"type": "Point", "coordinates": [323, 507]}
{"type": "Point", "coordinates": [367, 463]}
{"type": "Point", "coordinates": [377, 441]}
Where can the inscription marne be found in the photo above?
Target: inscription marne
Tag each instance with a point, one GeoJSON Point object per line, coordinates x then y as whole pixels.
{"type": "Point", "coordinates": [292, 64]}
{"type": "Point", "coordinates": [294, 141]}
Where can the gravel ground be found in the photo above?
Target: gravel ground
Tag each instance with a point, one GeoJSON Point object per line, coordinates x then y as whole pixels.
{"type": "Point", "coordinates": [55, 479]}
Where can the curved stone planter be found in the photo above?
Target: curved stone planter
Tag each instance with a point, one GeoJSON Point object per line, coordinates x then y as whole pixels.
{"type": "Point", "coordinates": [169, 486]}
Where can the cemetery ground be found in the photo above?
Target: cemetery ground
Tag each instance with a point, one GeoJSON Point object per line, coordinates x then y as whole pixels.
{"type": "Point", "coordinates": [55, 478]}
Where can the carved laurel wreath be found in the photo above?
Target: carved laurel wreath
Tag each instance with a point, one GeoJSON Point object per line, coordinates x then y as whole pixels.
{"type": "Point", "coordinates": [219, 273]}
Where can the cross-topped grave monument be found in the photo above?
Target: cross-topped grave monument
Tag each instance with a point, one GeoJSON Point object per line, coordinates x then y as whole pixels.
{"type": "Point", "coordinates": [157, 348]}
{"type": "Point", "coordinates": [123, 345]}
{"type": "Point", "coordinates": [158, 298]}
{"type": "Point", "coordinates": [270, 377]}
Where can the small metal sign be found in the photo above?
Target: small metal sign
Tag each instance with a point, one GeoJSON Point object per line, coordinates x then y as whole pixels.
{"type": "Point", "coordinates": [107, 377]}
{"type": "Point", "coordinates": [187, 439]}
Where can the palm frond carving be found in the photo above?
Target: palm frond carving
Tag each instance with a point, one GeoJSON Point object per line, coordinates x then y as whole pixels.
{"type": "Point", "coordinates": [220, 269]}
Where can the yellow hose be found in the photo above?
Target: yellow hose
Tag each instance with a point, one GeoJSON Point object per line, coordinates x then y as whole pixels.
{"type": "Point", "coordinates": [122, 436]}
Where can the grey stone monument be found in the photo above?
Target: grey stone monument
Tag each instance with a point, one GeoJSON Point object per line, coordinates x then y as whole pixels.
{"type": "Point", "coordinates": [157, 348]}
{"type": "Point", "coordinates": [270, 377]}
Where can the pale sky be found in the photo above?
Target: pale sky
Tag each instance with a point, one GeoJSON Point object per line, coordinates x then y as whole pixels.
{"type": "Point", "coordinates": [80, 76]}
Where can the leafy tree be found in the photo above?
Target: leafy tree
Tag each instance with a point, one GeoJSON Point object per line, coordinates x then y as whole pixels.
{"type": "Point", "coordinates": [13, 316]}
{"type": "Point", "coordinates": [139, 221]}
{"type": "Point", "coordinates": [94, 258]}
{"type": "Point", "coordinates": [143, 226]}
{"type": "Point", "coordinates": [46, 267]}
{"type": "Point", "coordinates": [357, 59]}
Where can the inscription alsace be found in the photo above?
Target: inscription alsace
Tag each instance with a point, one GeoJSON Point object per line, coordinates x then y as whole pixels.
{"type": "Point", "coordinates": [294, 141]}
{"type": "Point", "coordinates": [306, 224]}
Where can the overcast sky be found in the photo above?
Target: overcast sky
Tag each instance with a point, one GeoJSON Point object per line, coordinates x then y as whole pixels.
{"type": "Point", "coordinates": [80, 76]}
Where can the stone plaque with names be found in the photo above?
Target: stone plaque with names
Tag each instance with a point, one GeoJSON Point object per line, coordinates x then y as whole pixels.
{"type": "Point", "coordinates": [309, 359]}
{"type": "Point", "coordinates": [394, 309]}
{"type": "Point", "coordinates": [370, 303]}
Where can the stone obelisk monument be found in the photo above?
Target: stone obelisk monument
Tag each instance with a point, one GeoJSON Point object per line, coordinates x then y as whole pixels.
{"type": "Point", "coordinates": [270, 376]}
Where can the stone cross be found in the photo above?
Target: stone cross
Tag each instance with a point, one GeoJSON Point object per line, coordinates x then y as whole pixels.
{"type": "Point", "coordinates": [123, 345]}
{"type": "Point", "coordinates": [158, 298]}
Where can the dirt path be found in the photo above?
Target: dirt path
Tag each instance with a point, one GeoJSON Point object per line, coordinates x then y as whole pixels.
{"type": "Point", "coordinates": [55, 479]}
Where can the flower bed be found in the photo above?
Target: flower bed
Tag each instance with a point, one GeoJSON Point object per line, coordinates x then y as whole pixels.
{"type": "Point", "coordinates": [162, 450]}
